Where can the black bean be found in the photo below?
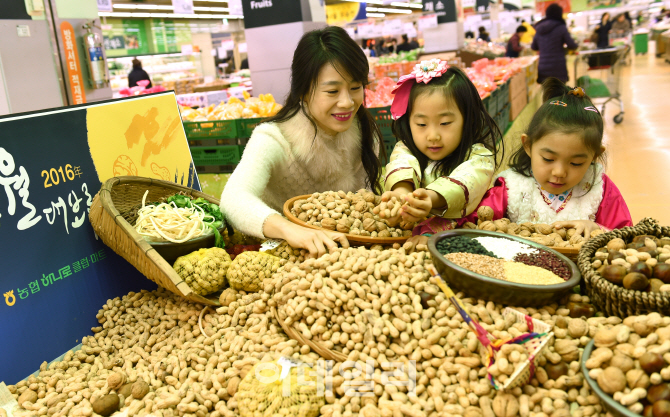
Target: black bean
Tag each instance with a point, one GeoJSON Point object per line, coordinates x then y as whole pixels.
{"type": "Point", "coordinates": [462, 244]}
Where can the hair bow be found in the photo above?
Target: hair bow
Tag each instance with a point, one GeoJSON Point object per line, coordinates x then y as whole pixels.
{"type": "Point", "coordinates": [577, 92]}
{"type": "Point", "coordinates": [422, 72]}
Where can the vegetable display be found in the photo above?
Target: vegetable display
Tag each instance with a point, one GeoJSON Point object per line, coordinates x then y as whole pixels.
{"type": "Point", "coordinates": [179, 219]}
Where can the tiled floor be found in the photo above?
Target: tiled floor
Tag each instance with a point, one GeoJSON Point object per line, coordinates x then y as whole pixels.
{"type": "Point", "coordinates": [638, 149]}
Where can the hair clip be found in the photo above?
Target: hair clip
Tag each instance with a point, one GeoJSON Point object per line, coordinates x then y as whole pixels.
{"type": "Point", "coordinates": [558, 103]}
{"type": "Point", "coordinates": [591, 108]}
{"type": "Point", "coordinates": [577, 92]}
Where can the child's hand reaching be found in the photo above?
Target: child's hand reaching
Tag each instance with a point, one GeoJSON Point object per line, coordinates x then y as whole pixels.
{"type": "Point", "coordinates": [582, 227]}
{"type": "Point", "coordinates": [417, 207]}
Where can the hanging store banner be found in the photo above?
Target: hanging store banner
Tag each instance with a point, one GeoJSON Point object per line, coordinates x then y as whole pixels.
{"type": "Point", "coordinates": [75, 79]}
{"type": "Point", "coordinates": [585, 5]}
{"type": "Point", "coordinates": [392, 27]}
{"type": "Point", "coordinates": [444, 9]}
{"type": "Point", "coordinates": [57, 274]}
{"type": "Point", "coordinates": [428, 21]}
{"type": "Point", "coordinates": [339, 14]}
{"type": "Point", "coordinates": [259, 13]}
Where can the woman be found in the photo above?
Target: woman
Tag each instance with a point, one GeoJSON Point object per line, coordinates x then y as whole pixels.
{"type": "Point", "coordinates": [551, 36]}
{"type": "Point", "coordinates": [322, 140]}
{"type": "Point", "coordinates": [514, 47]}
{"type": "Point", "coordinates": [621, 26]}
{"type": "Point", "coordinates": [483, 34]}
{"type": "Point", "coordinates": [138, 74]}
{"type": "Point", "coordinates": [603, 31]}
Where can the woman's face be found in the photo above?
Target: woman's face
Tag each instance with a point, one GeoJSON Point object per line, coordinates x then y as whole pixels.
{"type": "Point", "coordinates": [606, 17]}
{"type": "Point", "coordinates": [621, 18]}
{"type": "Point", "coordinates": [335, 101]}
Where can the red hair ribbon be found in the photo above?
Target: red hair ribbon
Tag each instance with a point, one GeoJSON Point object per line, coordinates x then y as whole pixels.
{"type": "Point", "coordinates": [423, 72]}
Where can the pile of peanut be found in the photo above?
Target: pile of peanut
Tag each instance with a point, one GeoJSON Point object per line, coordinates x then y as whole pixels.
{"type": "Point", "coordinates": [149, 356]}
{"type": "Point", "coordinates": [361, 213]}
{"type": "Point", "coordinates": [543, 234]}
{"type": "Point", "coordinates": [631, 362]}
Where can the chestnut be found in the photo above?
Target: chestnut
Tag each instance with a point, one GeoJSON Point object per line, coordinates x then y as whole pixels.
{"type": "Point", "coordinates": [655, 285]}
{"type": "Point", "coordinates": [614, 254]}
{"type": "Point", "coordinates": [642, 268]}
{"type": "Point", "coordinates": [615, 274]}
{"type": "Point", "coordinates": [658, 392]}
{"type": "Point", "coordinates": [555, 371]}
{"type": "Point", "coordinates": [652, 362]}
{"type": "Point", "coordinates": [662, 272]}
{"type": "Point", "coordinates": [635, 281]}
{"type": "Point", "coordinates": [661, 409]}
{"type": "Point", "coordinates": [578, 310]}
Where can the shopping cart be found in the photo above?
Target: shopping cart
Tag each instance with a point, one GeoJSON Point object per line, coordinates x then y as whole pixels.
{"type": "Point", "coordinates": [606, 63]}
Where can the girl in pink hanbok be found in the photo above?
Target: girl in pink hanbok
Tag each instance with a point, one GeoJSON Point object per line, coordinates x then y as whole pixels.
{"type": "Point", "coordinates": [556, 176]}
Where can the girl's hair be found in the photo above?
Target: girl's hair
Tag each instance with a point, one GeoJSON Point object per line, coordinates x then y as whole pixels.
{"type": "Point", "coordinates": [333, 45]}
{"type": "Point", "coordinates": [478, 126]}
{"type": "Point", "coordinates": [568, 119]}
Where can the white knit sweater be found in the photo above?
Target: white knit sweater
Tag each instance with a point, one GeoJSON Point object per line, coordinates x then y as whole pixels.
{"type": "Point", "coordinates": [284, 160]}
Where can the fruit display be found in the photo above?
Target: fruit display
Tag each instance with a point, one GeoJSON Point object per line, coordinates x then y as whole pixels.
{"type": "Point", "coordinates": [361, 213]}
{"type": "Point", "coordinates": [543, 234]}
{"type": "Point", "coordinates": [251, 107]}
{"type": "Point", "coordinates": [642, 265]}
{"type": "Point", "coordinates": [381, 96]}
{"type": "Point", "coordinates": [630, 362]}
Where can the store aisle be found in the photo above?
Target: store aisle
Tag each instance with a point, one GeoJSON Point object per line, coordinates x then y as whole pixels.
{"type": "Point", "coordinates": [639, 148]}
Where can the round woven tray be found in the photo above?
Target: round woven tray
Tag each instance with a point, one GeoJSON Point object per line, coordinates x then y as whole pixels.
{"type": "Point", "coordinates": [613, 299]}
{"type": "Point", "coordinates": [363, 240]}
{"type": "Point", "coordinates": [118, 195]}
{"type": "Point", "coordinates": [296, 335]}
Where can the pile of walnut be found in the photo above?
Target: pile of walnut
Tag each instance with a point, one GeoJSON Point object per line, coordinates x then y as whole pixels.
{"type": "Point", "coordinates": [540, 233]}
{"type": "Point", "coordinates": [357, 213]}
{"type": "Point", "coordinates": [631, 360]}
{"type": "Point", "coordinates": [642, 265]}
{"type": "Point", "coordinates": [151, 341]}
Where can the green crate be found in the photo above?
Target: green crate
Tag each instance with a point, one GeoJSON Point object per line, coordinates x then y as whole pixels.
{"type": "Point", "coordinates": [485, 102]}
{"type": "Point", "coordinates": [216, 155]}
{"type": "Point", "coordinates": [212, 142]}
{"type": "Point", "coordinates": [215, 169]}
{"type": "Point", "coordinates": [503, 95]}
{"type": "Point", "coordinates": [383, 118]}
{"type": "Point", "coordinates": [222, 129]}
{"type": "Point", "coordinates": [493, 103]}
{"type": "Point", "coordinates": [246, 126]}
{"type": "Point", "coordinates": [389, 144]}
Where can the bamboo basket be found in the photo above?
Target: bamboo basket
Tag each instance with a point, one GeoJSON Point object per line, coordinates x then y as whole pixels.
{"type": "Point", "coordinates": [119, 194]}
{"type": "Point", "coordinates": [296, 335]}
{"type": "Point", "coordinates": [613, 299]}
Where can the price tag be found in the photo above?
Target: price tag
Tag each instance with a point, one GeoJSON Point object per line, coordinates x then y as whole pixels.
{"type": "Point", "coordinates": [392, 27]}
{"type": "Point", "coordinates": [365, 30]}
{"type": "Point", "coordinates": [270, 244]}
{"type": "Point", "coordinates": [428, 22]}
{"type": "Point", "coordinates": [183, 6]}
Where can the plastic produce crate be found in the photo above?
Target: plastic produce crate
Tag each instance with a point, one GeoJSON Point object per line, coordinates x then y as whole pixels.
{"type": "Point", "coordinates": [493, 103]}
{"type": "Point", "coordinates": [246, 126]}
{"type": "Point", "coordinates": [389, 144]}
{"type": "Point", "coordinates": [383, 118]}
{"type": "Point", "coordinates": [216, 155]}
{"type": "Point", "coordinates": [503, 95]}
{"type": "Point", "coordinates": [220, 129]}
{"type": "Point", "coordinates": [215, 169]}
{"type": "Point", "coordinates": [213, 142]}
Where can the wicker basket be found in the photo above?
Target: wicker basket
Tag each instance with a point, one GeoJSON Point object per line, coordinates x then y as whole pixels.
{"type": "Point", "coordinates": [120, 194]}
{"type": "Point", "coordinates": [613, 299]}
{"type": "Point", "coordinates": [321, 350]}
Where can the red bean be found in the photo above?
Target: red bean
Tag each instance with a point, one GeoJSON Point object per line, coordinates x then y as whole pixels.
{"type": "Point", "coordinates": [545, 260]}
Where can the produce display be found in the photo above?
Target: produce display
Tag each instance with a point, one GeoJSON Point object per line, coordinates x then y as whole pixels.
{"type": "Point", "coordinates": [630, 362]}
{"type": "Point", "coordinates": [204, 270]}
{"type": "Point", "coordinates": [178, 219]}
{"type": "Point", "coordinates": [504, 259]}
{"type": "Point", "coordinates": [361, 213]}
{"type": "Point", "coordinates": [403, 56]}
{"type": "Point", "coordinates": [381, 96]}
{"type": "Point", "coordinates": [251, 107]}
{"type": "Point", "coordinates": [643, 264]}
{"type": "Point", "coordinates": [540, 233]}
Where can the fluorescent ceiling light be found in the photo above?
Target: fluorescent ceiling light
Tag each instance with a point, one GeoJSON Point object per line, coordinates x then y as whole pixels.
{"type": "Point", "coordinates": [367, 1]}
{"type": "Point", "coordinates": [211, 9]}
{"type": "Point", "coordinates": [375, 15]}
{"type": "Point", "coordinates": [412, 5]}
{"type": "Point", "coordinates": [170, 15]}
{"type": "Point", "coordinates": [385, 10]}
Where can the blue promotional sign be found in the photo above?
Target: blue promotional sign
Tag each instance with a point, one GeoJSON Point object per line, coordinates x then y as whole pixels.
{"type": "Point", "coordinates": [57, 274]}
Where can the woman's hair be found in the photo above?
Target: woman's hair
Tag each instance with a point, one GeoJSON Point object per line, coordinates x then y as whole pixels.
{"type": "Point", "coordinates": [602, 18]}
{"type": "Point", "coordinates": [554, 12]}
{"type": "Point", "coordinates": [482, 29]}
{"type": "Point", "coordinates": [568, 119]}
{"type": "Point", "coordinates": [521, 29]}
{"type": "Point", "coordinates": [137, 63]}
{"type": "Point", "coordinates": [333, 45]}
{"type": "Point", "coordinates": [478, 126]}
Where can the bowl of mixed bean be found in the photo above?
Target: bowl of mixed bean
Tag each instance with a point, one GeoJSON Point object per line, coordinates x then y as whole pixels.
{"type": "Point", "coordinates": [505, 269]}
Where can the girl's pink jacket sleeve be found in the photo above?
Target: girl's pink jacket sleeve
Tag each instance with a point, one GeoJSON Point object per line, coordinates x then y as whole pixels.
{"type": "Point", "coordinates": [613, 212]}
{"type": "Point", "coordinates": [496, 198]}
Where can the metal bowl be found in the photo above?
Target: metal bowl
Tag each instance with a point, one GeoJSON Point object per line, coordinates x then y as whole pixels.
{"type": "Point", "coordinates": [607, 401]}
{"type": "Point", "coordinates": [171, 251]}
{"type": "Point", "coordinates": [504, 292]}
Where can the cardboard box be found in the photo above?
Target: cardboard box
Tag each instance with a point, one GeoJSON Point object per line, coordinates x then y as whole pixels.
{"type": "Point", "coordinates": [517, 85]}
{"type": "Point", "coordinates": [517, 105]}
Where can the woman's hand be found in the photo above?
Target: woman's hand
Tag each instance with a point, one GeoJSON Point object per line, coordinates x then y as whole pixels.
{"type": "Point", "coordinates": [582, 227]}
{"type": "Point", "coordinates": [317, 242]}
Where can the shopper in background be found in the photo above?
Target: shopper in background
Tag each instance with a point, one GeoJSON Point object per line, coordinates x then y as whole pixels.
{"type": "Point", "coordinates": [404, 46]}
{"type": "Point", "coordinates": [514, 44]}
{"type": "Point", "coordinates": [244, 64]}
{"type": "Point", "coordinates": [601, 35]}
{"type": "Point", "coordinates": [551, 37]}
{"type": "Point", "coordinates": [392, 46]}
{"type": "Point", "coordinates": [414, 44]}
{"type": "Point", "coordinates": [469, 34]}
{"type": "Point", "coordinates": [621, 27]}
{"type": "Point", "coordinates": [322, 139]}
{"type": "Point", "coordinates": [556, 175]}
{"type": "Point", "coordinates": [446, 153]}
{"type": "Point", "coordinates": [137, 74]}
{"type": "Point", "coordinates": [483, 34]}
{"type": "Point", "coordinates": [527, 36]}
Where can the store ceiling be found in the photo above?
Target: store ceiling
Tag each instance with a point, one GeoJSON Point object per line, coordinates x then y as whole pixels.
{"type": "Point", "coordinates": [218, 9]}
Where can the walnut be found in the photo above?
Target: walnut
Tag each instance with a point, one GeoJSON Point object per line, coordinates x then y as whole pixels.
{"type": "Point", "coordinates": [612, 380]}
{"type": "Point", "coordinates": [513, 228]}
{"type": "Point", "coordinates": [116, 380]}
{"type": "Point", "coordinates": [329, 223]}
{"type": "Point", "coordinates": [545, 229]}
{"type": "Point", "coordinates": [140, 389]}
{"type": "Point", "coordinates": [505, 405]}
{"type": "Point", "coordinates": [487, 225]}
{"type": "Point", "coordinates": [369, 225]}
{"type": "Point", "coordinates": [501, 226]}
{"type": "Point", "coordinates": [605, 338]}
{"type": "Point", "coordinates": [227, 296]}
{"type": "Point", "coordinates": [485, 213]}
{"type": "Point", "coordinates": [567, 349]}
{"type": "Point", "coordinates": [578, 328]}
